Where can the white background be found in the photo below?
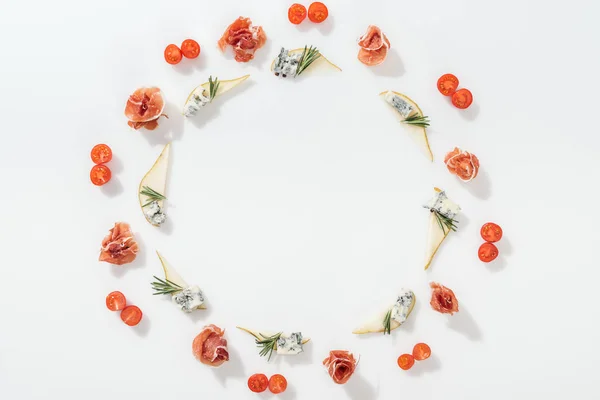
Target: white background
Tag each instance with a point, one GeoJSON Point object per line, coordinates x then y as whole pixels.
{"type": "Point", "coordinates": [296, 205]}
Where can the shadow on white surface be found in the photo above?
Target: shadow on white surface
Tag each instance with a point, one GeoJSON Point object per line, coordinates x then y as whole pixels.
{"type": "Point", "coordinates": [391, 67]}
{"type": "Point", "coordinates": [505, 249]}
{"type": "Point", "coordinates": [143, 327]}
{"type": "Point", "coordinates": [481, 186]}
{"type": "Point", "coordinates": [201, 315]}
{"type": "Point", "coordinates": [169, 129]}
{"type": "Point", "coordinates": [289, 394]}
{"type": "Point", "coordinates": [471, 113]}
{"type": "Point", "coordinates": [188, 67]}
{"type": "Point", "coordinates": [432, 364]}
{"type": "Point", "coordinates": [112, 188]}
{"type": "Point", "coordinates": [358, 388]}
{"type": "Point", "coordinates": [464, 323]}
{"type": "Point", "coordinates": [233, 369]}
{"type": "Point", "coordinates": [304, 358]}
{"type": "Point", "coordinates": [326, 26]}
{"type": "Point", "coordinates": [115, 165]}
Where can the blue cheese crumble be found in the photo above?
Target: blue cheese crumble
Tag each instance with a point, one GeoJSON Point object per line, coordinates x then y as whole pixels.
{"type": "Point", "coordinates": [189, 299]}
{"type": "Point", "coordinates": [403, 306]}
{"type": "Point", "coordinates": [195, 103]}
{"type": "Point", "coordinates": [286, 64]}
{"type": "Point", "coordinates": [399, 104]}
{"type": "Point", "coordinates": [154, 213]}
{"type": "Point", "coordinates": [291, 344]}
{"type": "Point", "coordinates": [443, 205]}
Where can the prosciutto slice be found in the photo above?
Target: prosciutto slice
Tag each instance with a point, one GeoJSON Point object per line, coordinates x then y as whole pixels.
{"type": "Point", "coordinates": [119, 247]}
{"type": "Point", "coordinates": [462, 164]}
{"type": "Point", "coordinates": [374, 46]}
{"type": "Point", "coordinates": [244, 38]}
{"type": "Point", "coordinates": [341, 365]}
{"type": "Point", "coordinates": [443, 299]}
{"type": "Point", "coordinates": [209, 347]}
{"type": "Point", "coordinates": [144, 107]}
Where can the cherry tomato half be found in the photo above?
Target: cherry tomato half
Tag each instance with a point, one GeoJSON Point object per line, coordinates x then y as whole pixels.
{"type": "Point", "coordinates": [190, 48]}
{"type": "Point", "coordinates": [406, 361]}
{"type": "Point", "coordinates": [172, 54]}
{"type": "Point", "coordinates": [100, 174]}
{"type": "Point", "coordinates": [296, 13]}
{"type": "Point", "coordinates": [317, 12]}
{"type": "Point", "coordinates": [462, 98]}
{"type": "Point", "coordinates": [101, 154]}
{"type": "Point", "coordinates": [277, 384]}
{"type": "Point", "coordinates": [421, 351]}
{"type": "Point", "coordinates": [131, 315]}
{"type": "Point", "coordinates": [115, 301]}
{"type": "Point", "coordinates": [258, 383]}
{"type": "Point", "coordinates": [447, 84]}
{"type": "Point", "coordinates": [491, 232]}
{"type": "Point", "coordinates": [487, 252]}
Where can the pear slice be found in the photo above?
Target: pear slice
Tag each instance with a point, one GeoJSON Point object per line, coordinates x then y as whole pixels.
{"type": "Point", "coordinates": [435, 236]}
{"type": "Point", "coordinates": [417, 133]}
{"type": "Point", "coordinates": [156, 179]}
{"type": "Point", "coordinates": [173, 276]}
{"type": "Point", "coordinates": [262, 334]}
{"type": "Point", "coordinates": [376, 324]}
{"type": "Point", "coordinates": [224, 86]}
{"type": "Point", "coordinates": [317, 64]}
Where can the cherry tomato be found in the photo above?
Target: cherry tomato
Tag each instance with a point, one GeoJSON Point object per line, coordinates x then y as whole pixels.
{"type": "Point", "coordinates": [258, 383]}
{"type": "Point", "coordinates": [462, 98]}
{"type": "Point", "coordinates": [421, 351]}
{"type": "Point", "coordinates": [488, 252]}
{"type": "Point", "coordinates": [190, 48]}
{"type": "Point", "coordinates": [317, 12]}
{"type": "Point", "coordinates": [447, 84]}
{"type": "Point", "coordinates": [406, 361]}
{"type": "Point", "coordinates": [101, 154]}
{"type": "Point", "coordinates": [297, 13]}
{"type": "Point", "coordinates": [172, 54]}
{"type": "Point", "coordinates": [131, 315]}
{"type": "Point", "coordinates": [491, 232]}
{"type": "Point", "coordinates": [115, 301]}
{"type": "Point", "coordinates": [100, 174]}
{"type": "Point", "coordinates": [277, 384]}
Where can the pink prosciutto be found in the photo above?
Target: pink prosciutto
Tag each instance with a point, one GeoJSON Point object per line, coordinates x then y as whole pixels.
{"type": "Point", "coordinates": [209, 347]}
{"type": "Point", "coordinates": [374, 46]}
{"type": "Point", "coordinates": [119, 247]}
{"type": "Point", "coordinates": [144, 107]}
{"type": "Point", "coordinates": [341, 365]}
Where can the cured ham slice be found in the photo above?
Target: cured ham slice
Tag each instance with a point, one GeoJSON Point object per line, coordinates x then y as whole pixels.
{"type": "Point", "coordinates": [119, 247]}
{"type": "Point", "coordinates": [341, 365]}
{"type": "Point", "coordinates": [462, 164]}
{"type": "Point", "coordinates": [244, 38]}
{"type": "Point", "coordinates": [372, 57]}
{"type": "Point", "coordinates": [209, 347]}
{"type": "Point", "coordinates": [374, 46]}
{"type": "Point", "coordinates": [144, 107]}
{"type": "Point", "coordinates": [443, 299]}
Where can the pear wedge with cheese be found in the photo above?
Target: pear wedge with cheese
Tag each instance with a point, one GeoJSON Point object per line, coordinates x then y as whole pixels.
{"type": "Point", "coordinates": [172, 276]}
{"type": "Point", "coordinates": [204, 89]}
{"type": "Point", "coordinates": [321, 63]}
{"type": "Point", "coordinates": [417, 133]}
{"type": "Point", "coordinates": [155, 180]}
{"type": "Point", "coordinates": [376, 325]}
{"type": "Point", "coordinates": [262, 335]}
{"type": "Point", "coordinates": [437, 231]}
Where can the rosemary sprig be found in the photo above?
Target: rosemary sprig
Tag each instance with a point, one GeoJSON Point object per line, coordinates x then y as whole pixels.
{"type": "Point", "coordinates": [309, 55]}
{"type": "Point", "coordinates": [165, 286]}
{"type": "Point", "coordinates": [445, 223]}
{"type": "Point", "coordinates": [268, 344]}
{"type": "Point", "coordinates": [418, 120]}
{"type": "Point", "coordinates": [387, 323]}
{"type": "Point", "coordinates": [214, 86]}
{"type": "Point", "coordinates": [152, 195]}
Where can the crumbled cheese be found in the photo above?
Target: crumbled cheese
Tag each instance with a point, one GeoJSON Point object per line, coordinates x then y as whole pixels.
{"type": "Point", "coordinates": [291, 344]}
{"type": "Point", "coordinates": [403, 305]}
{"type": "Point", "coordinates": [443, 205]}
{"type": "Point", "coordinates": [195, 103]}
{"type": "Point", "coordinates": [401, 105]}
{"type": "Point", "coordinates": [154, 213]}
{"type": "Point", "coordinates": [286, 64]}
{"type": "Point", "coordinates": [189, 299]}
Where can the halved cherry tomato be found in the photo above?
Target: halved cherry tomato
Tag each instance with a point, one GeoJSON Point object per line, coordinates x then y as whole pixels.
{"type": "Point", "coordinates": [131, 315]}
{"type": "Point", "coordinates": [277, 384]}
{"type": "Point", "coordinates": [487, 252]}
{"type": "Point", "coordinates": [258, 383]}
{"type": "Point", "coordinates": [115, 301]}
{"type": "Point", "coordinates": [172, 54]}
{"type": "Point", "coordinates": [421, 351]}
{"type": "Point", "coordinates": [100, 174]}
{"type": "Point", "coordinates": [447, 84]}
{"type": "Point", "coordinates": [462, 98]}
{"type": "Point", "coordinates": [190, 48]}
{"type": "Point", "coordinates": [317, 12]}
{"type": "Point", "coordinates": [491, 232]}
{"type": "Point", "coordinates": [406, 361]}
{"type": "Point", "coordinates": [296, 13]}
{"type": "Point", "coordinates": [101, 154]}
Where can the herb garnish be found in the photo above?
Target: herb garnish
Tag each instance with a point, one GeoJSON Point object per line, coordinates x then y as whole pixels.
{"type": "Point", "coordinates": [152, 195]}
{"type": "Point", "coordinates": [445, 222]}
{"type": "Point", "coordinates": [387, 323]}
{"type": "Point", "coordinates": [165, 286]}
{"type": "Point", "coordinates": [417, 120]}
{"type": "Point", "coordinates": [268, 344]}
{"type": "Point", "coordinates": [213, 87]}
{"type": "Point", "coordinates": [309, 55]}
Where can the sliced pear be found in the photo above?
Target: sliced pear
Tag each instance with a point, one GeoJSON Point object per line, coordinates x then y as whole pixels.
{"type": "Point", "coordinates": [318, 63]}
{"type": "Point", "coordinates": [156, 179]}
{"type": "Point", "coordinates": [417, 133]}
{"type": "Point", "coordinates": [435, 237]}
{"type": "Point", "coordinates": [376, 324]}
{"type": "Point", "coordinates": [172, 275]}
{"type": "Point", "coordinates": [224, 86]}
{"type": "Point", "coordinates": [261, 335]}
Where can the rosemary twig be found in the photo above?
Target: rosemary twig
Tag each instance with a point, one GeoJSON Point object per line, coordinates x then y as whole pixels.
{"type": "Point", "coordinates": [309, 55]}
{"type": "Point", "coordinates": [445, 222]}
{"type": "Point", "coordinates": [165, 286]}
{"type": "Point", "coordinates": [214, 86]}
{"type": "Point", "coordinates": [268, 344]}
{"type": "Point", "coordinates": [387, 323]}
{"type": "Point", "coordinates": [152, 195]}
{"type": "Point", "coordinates": [418, 120]}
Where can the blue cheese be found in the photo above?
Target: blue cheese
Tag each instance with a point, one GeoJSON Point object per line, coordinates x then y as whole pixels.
{"type": "Point", "coordinates": [443, 205]}
{"type": "Point", "coordinates": [195, 103]}
{"type": "Point", "coordinates": [403, 305]}
{"type": "Point", "coordinates": [291, 344]}
{"type": "Point", "coordinates": [399, 104]}
{"type": "Point", "coordinates": [189, 299]}
{"type": "Point", "coordinates": [154, 213]}
{"type": "Point", "coordinates": [286, 64]}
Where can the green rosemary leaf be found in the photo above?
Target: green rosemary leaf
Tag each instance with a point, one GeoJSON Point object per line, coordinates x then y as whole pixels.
{"type": "Point", "coordinates": [447, 224]}
{"type": "Point", "coordinates": [268, 344]}
{"type": "Point", "coordinates": [309, 55]}
{"type": "Point", "coordinates": [387, 323]}
{"type": "Point", "coordinates": [417, 120]}
{"type": "Point", "coordinates": [165, 286]}
{"type": "Point", "coordinates": [213, 87]}
{"type": "Point", "coordinates": [152, 195]}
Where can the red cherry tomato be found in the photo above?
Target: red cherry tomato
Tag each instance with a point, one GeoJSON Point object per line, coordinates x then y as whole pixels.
{"type": "Point", "coordinates": [447, 84]}
{"type": "Point", "coordinates": [172, 54]}
{"type": "Point", "coordinates": [421, 351]}
{"type": "Point", "coordinates": [277, 384]}
{"type": "Point", "coordinates": [115, 301]}
{"type": "Point", "coordinates": [100, 174]}
{"type": "Point", "coordinates": [258, 383]}
{"type": "Point", "coordinates": [317, 12]}
{"type": "Point", "coordinates": [488, 252]}
{"type": "Point", "coordinates": [190, 48]}
{"type": "Point", "coordinates": [491, 232]}
{"type": "Point", "coordinates": [406, 361]}
{"type": "Point", "coordinates": [462, 98]}
{"type": "Point", "coordinates": [131, 315]}
{"type": "Point", "coordinates": [101, 154]}
{"type": "Point", "coordinates": [296, 13]}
